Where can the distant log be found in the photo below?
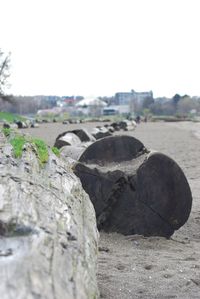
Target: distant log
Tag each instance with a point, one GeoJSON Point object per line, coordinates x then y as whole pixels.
{"type": "Point", "coordinates": [83, 135]}
{"type": "Point", "coordinates": [127, 125]}
{"type": "Point", "coordinates": [74, 152]}
{"type": "Point", "coordinates": [48, 243]}
{"type": "Point", "coordinates": [100, 132]}
{"type": "Point", "coordinates": [67, 138]}
{"type": "Point", "coordinates": [133, 190]}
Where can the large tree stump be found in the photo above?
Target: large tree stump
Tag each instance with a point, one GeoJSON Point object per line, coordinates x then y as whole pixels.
{"type": "Point", "coordinates": [133, 190]}
{"type": "Point", "coordinates": [48, 244]}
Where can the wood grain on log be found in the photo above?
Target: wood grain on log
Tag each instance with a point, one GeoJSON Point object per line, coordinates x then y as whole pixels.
{"type": "Point", "coordinates": [48, 243]}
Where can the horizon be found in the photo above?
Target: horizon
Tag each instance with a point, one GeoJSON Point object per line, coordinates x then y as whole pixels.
{"type": "Point", "coordinates": [96, 48]}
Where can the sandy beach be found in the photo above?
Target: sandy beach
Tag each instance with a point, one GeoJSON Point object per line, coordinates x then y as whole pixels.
{"type": "Point", "coordinates": [137, 267]}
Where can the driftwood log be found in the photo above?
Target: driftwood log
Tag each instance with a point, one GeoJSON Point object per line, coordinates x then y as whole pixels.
{"type": "Point", "coordinates": [67, 138]}
{"type": "Point", "coordinates": [134, 190]}
{"type": "Point", "coordinates": [83, 135]}
{"type": "Point", "coordinates": [100, 132]}
{"type": "Point", "coordinates": [48, 235]}
{"type": "Point", "coordinates": [74, 152]}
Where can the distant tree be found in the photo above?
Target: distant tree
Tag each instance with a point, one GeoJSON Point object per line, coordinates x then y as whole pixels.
{"type": "Point", "coordinates": [148, 101]}
{"type": "Point", "coordinates": [156, 108]}
{"type": "Point", "coordinates": [4, 72]}
{"type": "Point", "coordinates": [186, 105]}
{"type": "Point", "coordinates": [175, 100]}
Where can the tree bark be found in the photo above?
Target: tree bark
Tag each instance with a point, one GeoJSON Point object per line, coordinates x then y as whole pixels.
{"type": "Point", "coordinates": [48, 244]}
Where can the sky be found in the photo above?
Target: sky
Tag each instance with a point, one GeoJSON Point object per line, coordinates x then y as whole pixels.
{"type": "Point", "coordinates": [100, 47]}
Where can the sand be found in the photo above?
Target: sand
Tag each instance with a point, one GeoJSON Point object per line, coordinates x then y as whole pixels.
{"type": "Point", "coordinates": [138, 267]}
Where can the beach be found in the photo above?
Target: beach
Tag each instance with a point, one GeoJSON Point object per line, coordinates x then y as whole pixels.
{"type": "Point", "coordinates": [155, 267]}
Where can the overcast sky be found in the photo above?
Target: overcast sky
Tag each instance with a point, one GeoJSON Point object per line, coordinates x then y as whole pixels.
{"type": "Point", "coordinates": [99, 47]}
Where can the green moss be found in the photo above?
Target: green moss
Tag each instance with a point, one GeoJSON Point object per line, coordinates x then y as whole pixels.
{"type": "Point", "coordinates": [18, 143]}
{"type": "Point", "coordinates": [6, 131]}
{"type": "Point", "coordinates": [56, 151]}
{"type": "Point", "coordinates": [42, 150]}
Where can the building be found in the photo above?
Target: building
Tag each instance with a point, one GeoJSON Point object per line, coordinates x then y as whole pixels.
{"type": "Point", "coordinates": [91, 107]}
{"type": "Point", "coordinates": [133, 100]}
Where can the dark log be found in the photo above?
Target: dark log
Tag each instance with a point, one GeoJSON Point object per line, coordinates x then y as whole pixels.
{"type": "Point", "coordinates": [48, 242]}
{"type": "Point", "coordinates": [115, 125]}
{"type": "Point", "coordinates": [100, 132]}
{"type": "Point", "coordinates": [109, 128]}
{"type": "Point", "coordinates": [127, 125]}
{"type": "Point", "coordinates": [83, 135]}
{"type": "Point", "coordinates": [67, 139]}
{"type": "Point", "coordinates": [133, 190]}
{"type": "Point", "coordinates": [112, 149]}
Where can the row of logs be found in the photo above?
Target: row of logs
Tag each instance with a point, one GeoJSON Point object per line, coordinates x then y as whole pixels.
{"type": "Point", "coordinates": [48, 228]}
{"type": "Point", "coordinates": [134, 190]}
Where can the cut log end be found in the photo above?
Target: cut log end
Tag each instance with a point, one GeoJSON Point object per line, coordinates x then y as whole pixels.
{"type": "Point", "coordinates": [112, 149]}
{"type": "Point", "coordinates": [144, 194]}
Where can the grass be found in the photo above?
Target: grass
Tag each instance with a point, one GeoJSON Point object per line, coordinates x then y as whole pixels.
{"type": "Point", "coordinates": [56, 151]}
{"type": "Point", "coordinates": [10, 117]}
{"type": "Point", "coordinates": [6, 132]}
{"type": "Point", "coordinates": [42, 150]}
{"type": "Point", "coordinates": [18, 141]}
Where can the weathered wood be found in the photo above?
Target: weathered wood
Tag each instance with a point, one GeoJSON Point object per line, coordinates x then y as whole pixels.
{"type": "Point", "coordinates": [109, 128]}
{"type": "Point", "coordinates": [133, 190]}
{"type": "Point", "coordinates": [112, 149]}
{"type": "Point", "coordinates": [74, 152]}
{"type": "Point", "coordinates": [100, 132]}
{"type": "Point", "coordinates": [115, 126]}
{"type": "Point", "coordinates": [67, 138]}
{"type": "Point", "coordinates": [83, 135]}
{"type": "Point", "coordinates": [48, 243]}
{"type": "Point", "coordinates": [127, 125]}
